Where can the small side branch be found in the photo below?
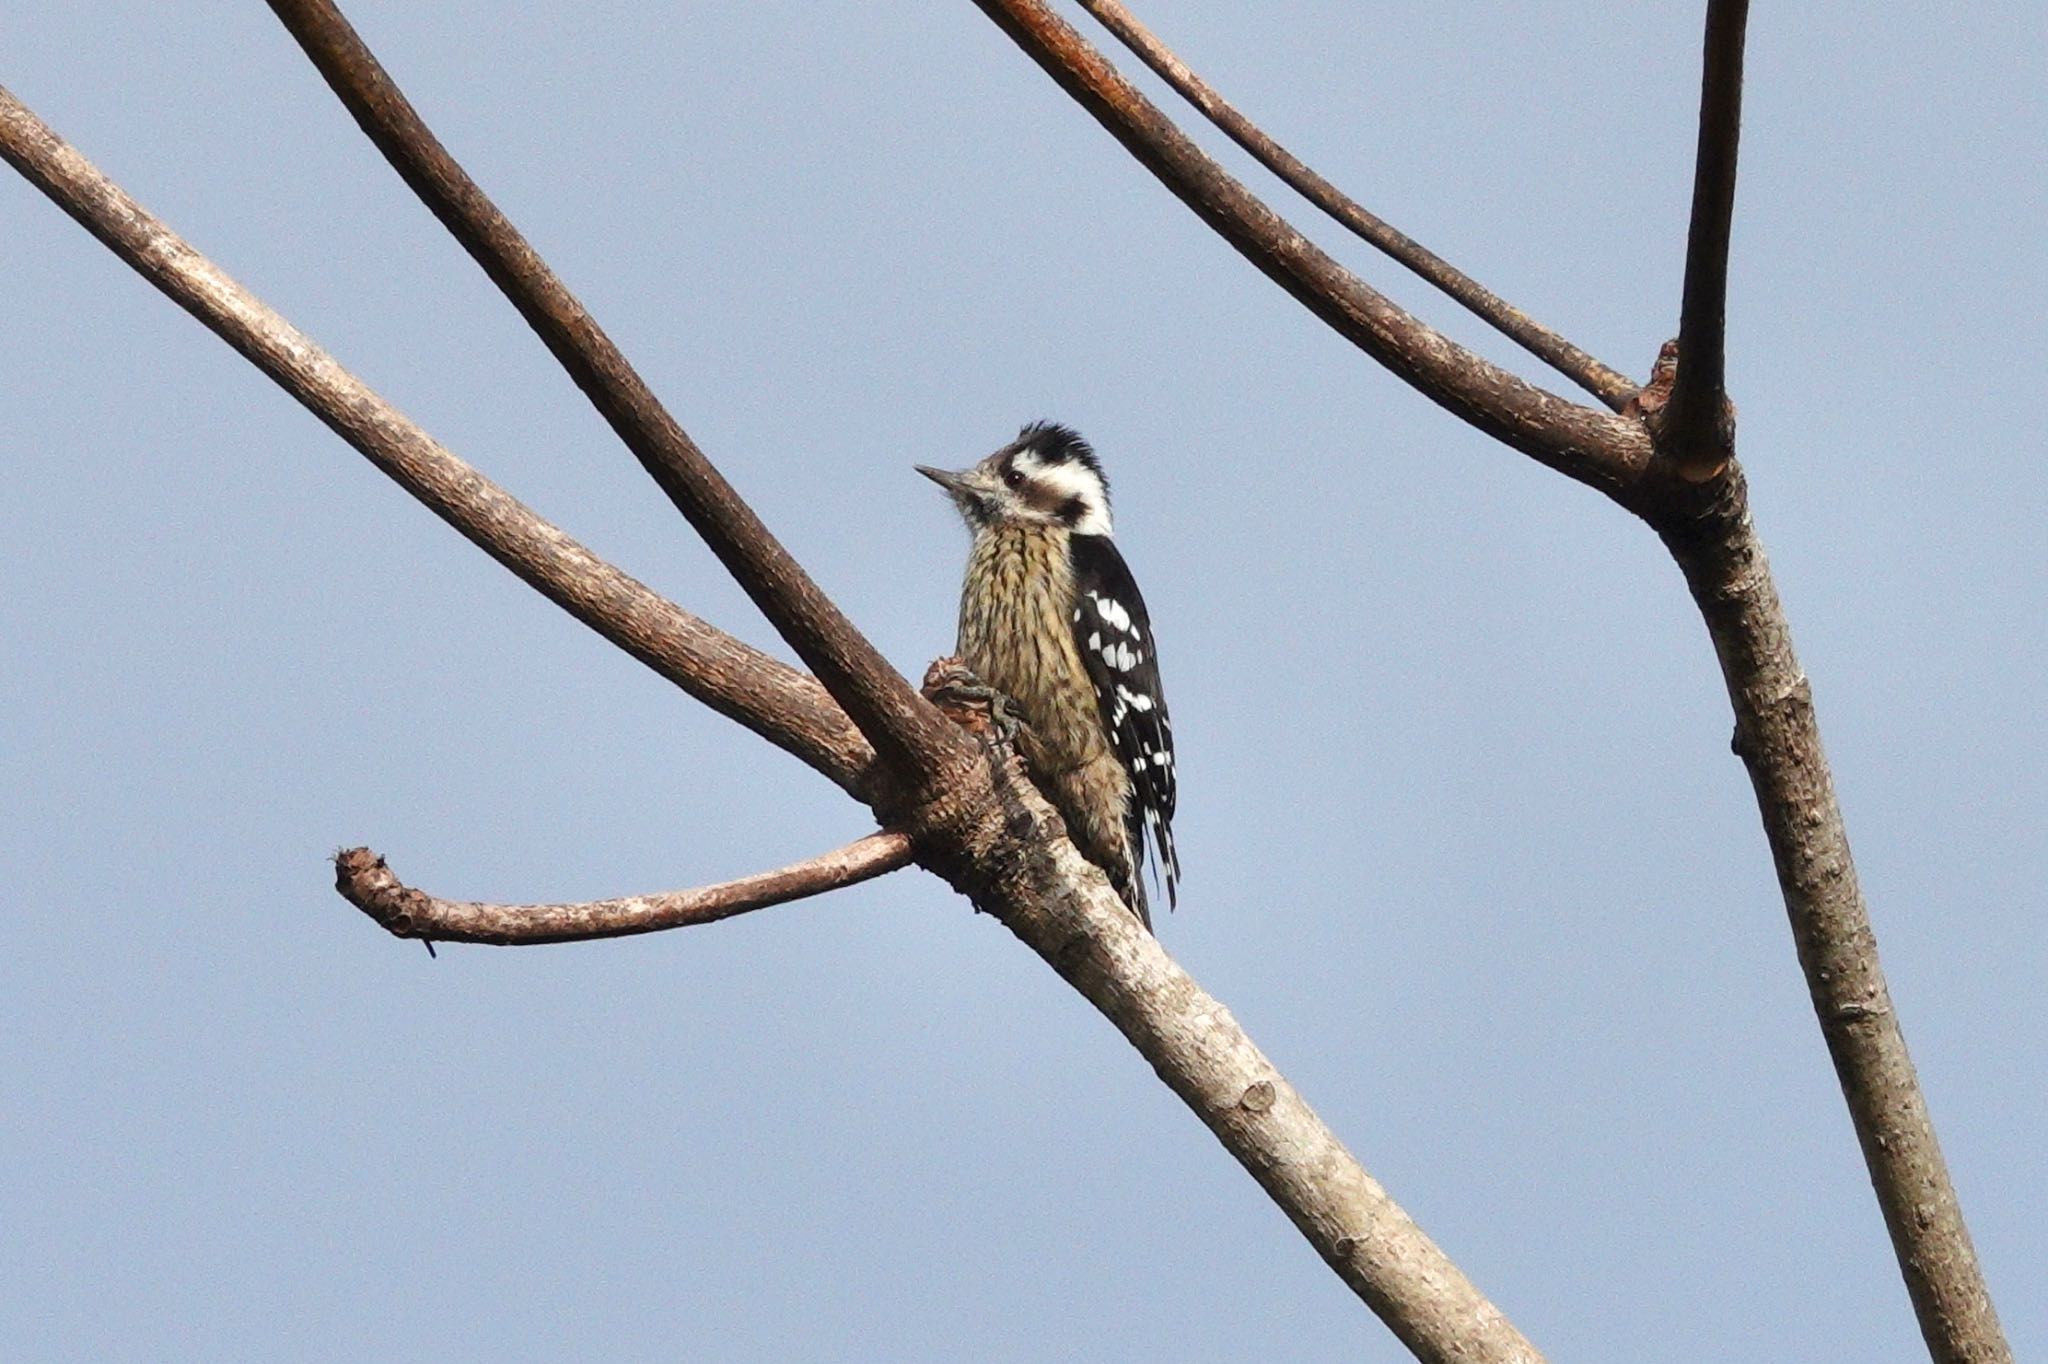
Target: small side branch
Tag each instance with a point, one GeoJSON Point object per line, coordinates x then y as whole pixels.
{"type": "Point", "coordinates": [1696, 430]}
{"type": "Point", "coordinates": [774, 700]}
{"type": "Point", "coordinates": [1597, 448]}
{"type": "Point", "coordinates": [1609, 385]}
{"type": "Point", "coordinates": [367, 882]}
{"type": "Point", "coordinates": [912, 740]}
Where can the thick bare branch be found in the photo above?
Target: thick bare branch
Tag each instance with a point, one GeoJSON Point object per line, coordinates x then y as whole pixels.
{"type": "Point", "coordinates": [1696, 430]}
{"type": "Point", "coordinates": [1794, 793]}
{"type": "Point", "coordinates": [995, 838]}
{"type": "Point", "coordinates": [1603, 382]}
{"type": "Point", "coordinates": [1021, 870]}
{"type": "Point", "coordinates": [782, 705]}
{"type": "Point", "coordinates": [1778, 739]}
{"type": "Point", "coordinates": [1597, 448]}
{"type": "Point", "coordinates": [1710, 533]}
{"type": "Point", "coordinates": [368, 883]}
{"type": "Point", "coordinates": [911, 738]}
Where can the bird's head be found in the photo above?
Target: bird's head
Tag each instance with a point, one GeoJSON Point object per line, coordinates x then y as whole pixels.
{"type": "Point", "coordinates": [1047, 476]}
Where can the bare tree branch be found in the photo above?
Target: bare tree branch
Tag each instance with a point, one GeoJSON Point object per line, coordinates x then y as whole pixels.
{"type": "Point", "coordinates": [1685, 404]}
{"type": "Point", "coordinates": [780, 704]}
{"type": "Point", "coordinates": [1603, 382]}
{"type": "Point", "coordinates": [982, 826]}
{"type": "Point", "coordinates": [368, 883]}
{"type": "Point", "coordinates": [1778, 738]}
{"type": "Point", "coordinates": [996, 840]}
{"type": "Point", "coordinates": [1597, 448]}
{"type": "Point", "coordinates": [1199, 1050]}
{"type": "Point", "coordinates": [990, 834]}
{"type": "Point", "coordinates": [913, 741]}
{"type": "Point", "coordinates": [1696, 429]}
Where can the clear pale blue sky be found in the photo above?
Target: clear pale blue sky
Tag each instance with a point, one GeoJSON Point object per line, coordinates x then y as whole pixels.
{"type": "Point", "coordinates": [1466, 850]}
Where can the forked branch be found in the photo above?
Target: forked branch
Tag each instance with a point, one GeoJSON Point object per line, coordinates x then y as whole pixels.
{"type": "Point", "coordinates": [985, 829]}
{"type": "Point", "coordinates": [1008, 855]}
{"type": "Point", "coordinates": [1603, 382]}
{"type": "Point", "coordinates": [1708, 528]}
{"type": "Point", "coordinates": [911, 738]}
{"type": "Point", "coordinates": [369, 884]}
{"type": "Point", "coordinates": [1697, 501]}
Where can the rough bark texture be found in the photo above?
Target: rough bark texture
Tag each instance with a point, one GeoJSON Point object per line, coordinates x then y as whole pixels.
{"type": "Point", "coordinates": [974, 821]}
{"type": "Point", "coordinates": [1778, 740]}
{"type": "Point", "coordinates": [368, 883]}
{"type": "Point", "coordinates": [1067, 914]}
{"type": "Point", "coordinates": [996, 839]}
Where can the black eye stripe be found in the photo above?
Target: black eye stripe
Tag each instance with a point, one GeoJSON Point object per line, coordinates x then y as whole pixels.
{"type": "Point", "coordinates": [1073, 509]}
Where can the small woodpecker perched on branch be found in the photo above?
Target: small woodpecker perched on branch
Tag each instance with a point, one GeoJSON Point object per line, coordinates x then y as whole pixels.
{"type": "Point", "coordinates": [1052, 620]}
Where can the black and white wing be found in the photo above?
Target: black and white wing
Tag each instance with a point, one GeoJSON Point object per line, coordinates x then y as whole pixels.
{"type": "Point", "coordinates": [1115, 637]}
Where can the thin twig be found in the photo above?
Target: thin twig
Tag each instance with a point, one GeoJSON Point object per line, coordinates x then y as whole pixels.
{"type": "Point", "coordinates": [782, 705]}
{"type": "Point", "coordinates": [1597, 448]}
{"type": "Point", "coordinates": [913, 741]}
{"type": "Point", "coordinates": [1603, 382]}
{"type": "Point", "coordinates": [368, 883]}
{"type": "Point", "coordinates": [1696, 430]}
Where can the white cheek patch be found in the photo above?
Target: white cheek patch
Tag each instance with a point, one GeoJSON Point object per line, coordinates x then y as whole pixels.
{"type": "Point", "coordinates": [1072, 479]}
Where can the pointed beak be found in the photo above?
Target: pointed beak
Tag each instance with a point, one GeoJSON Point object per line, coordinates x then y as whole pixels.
{"type": "Point", "coordinates": [951, 482]}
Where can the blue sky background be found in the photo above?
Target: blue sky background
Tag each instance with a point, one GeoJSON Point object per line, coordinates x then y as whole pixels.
{"type": "Point", "coordinates": [1466, 851]}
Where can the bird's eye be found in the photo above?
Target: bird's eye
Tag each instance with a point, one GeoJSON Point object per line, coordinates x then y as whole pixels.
{"type": "Point", "coordinates": [1014, 476]}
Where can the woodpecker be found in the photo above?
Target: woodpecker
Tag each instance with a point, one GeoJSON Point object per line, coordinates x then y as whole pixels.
{"type": "Point", "coordinates": [1051, 618]}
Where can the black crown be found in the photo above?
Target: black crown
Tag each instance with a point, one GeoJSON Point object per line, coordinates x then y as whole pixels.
{"type": "Point", "coordinates": [1056, 444]}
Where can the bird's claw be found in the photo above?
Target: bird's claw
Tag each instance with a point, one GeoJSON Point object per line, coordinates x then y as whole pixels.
{"type": "Point", "coordinates": [971, 703]}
